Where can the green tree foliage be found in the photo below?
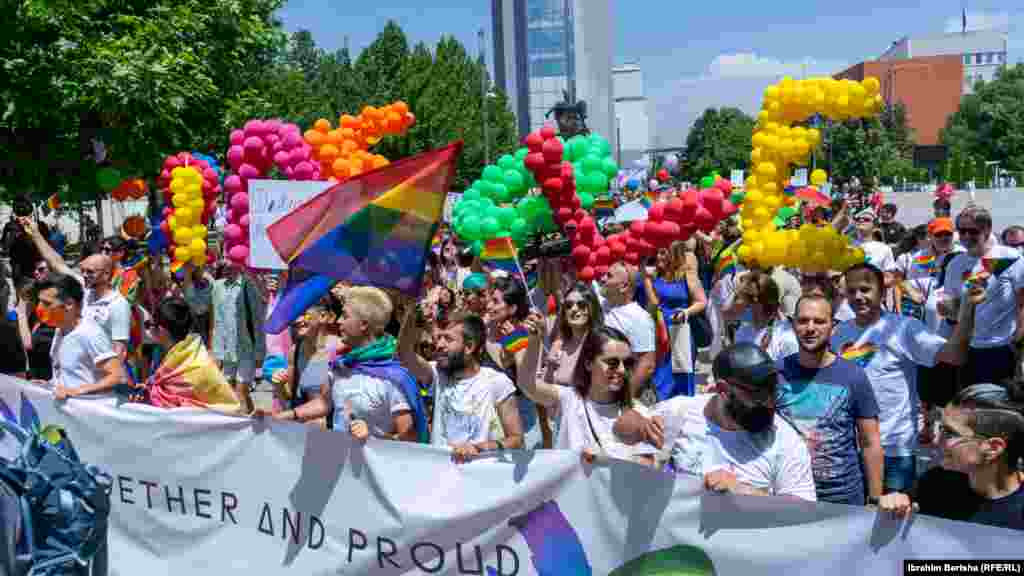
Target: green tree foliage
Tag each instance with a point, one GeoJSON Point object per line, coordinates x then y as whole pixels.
{"type": "Point", "coordinates": [147, 78]}
{"type": "Point", "coordinates": [989, 125]}
{"type": "Point", "coordinates": [880, 147]}
{"type": "Point", "coordinates": [719, 140]}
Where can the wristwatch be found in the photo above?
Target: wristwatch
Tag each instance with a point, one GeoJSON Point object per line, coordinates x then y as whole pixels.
{"type": "Point", "coordinates": [873, 500]}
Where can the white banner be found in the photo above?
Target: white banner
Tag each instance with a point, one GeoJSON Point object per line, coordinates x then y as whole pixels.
{"type": "Point", "coordinates": [736, 178]}
{"type": "Point", "coordinates": [199, 493]}
{"type": "Point", "coordinates": [269, 200]}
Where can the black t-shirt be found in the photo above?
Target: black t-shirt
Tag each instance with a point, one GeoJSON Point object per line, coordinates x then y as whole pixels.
{"type": "Point", "coordinates": [948, 495]}
{"type": "Point", "coordinates": [892, 232]}
{"type": "Point", "coordinates": [39, 365]}
{"type": "Point", "coordinates": [12, 359]}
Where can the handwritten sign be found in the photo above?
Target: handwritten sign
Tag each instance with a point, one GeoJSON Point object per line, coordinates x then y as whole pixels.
{"type": "Point", "coordinates": [799, 179]}
{"type": "Point", "coordinates": [269, 200]}
{"type": "Point", "coordinates": [736, 178]}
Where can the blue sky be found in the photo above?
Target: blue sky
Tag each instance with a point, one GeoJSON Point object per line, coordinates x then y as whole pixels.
{"type": "Point", "coordinates": [694, 54]}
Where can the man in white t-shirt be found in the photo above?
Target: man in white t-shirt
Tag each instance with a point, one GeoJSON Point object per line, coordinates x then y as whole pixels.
{"type": "Point", "coordinates": [889, 348]}
{"type": "Point", "coordinates": [475, 408]}
{"type": "Point", "coordinates": [733, 439]}
{"type": "Point", "coordinates": [621, 312]}
{"type": "Point", "coordinates": [103, 305]}
{"type": "Point", "coordinates": [84, 361]}
{"type": "Point", "coordinates": [998, 322]}
{"type": "Point", "coordinates": [876, 253]}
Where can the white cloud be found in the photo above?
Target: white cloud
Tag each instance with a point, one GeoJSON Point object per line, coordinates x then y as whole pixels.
{"type": "Point", "coordinates": [730, 80]}
{"type": "Point", "coordinates": [980, 21]}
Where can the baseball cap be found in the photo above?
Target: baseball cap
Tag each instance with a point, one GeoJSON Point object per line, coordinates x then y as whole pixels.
{"type": "Point", "coordinates": [939, 225]}
{"type": "Point", "coordinates": [747, 364]}
{"type": "Point", "coordinates": [865, 214]}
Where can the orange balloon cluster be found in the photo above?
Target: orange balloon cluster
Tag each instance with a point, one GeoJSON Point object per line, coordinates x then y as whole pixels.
{"type": "Point", "coordinates": [129, 189]}
{"type": "Point", "coordinates": [343, 152]}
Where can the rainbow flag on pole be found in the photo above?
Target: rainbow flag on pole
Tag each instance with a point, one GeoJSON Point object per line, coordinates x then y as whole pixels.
{"type": "Point", "coordinates": [374, 229]}
{"type": "Point", "coordinates": [517, 340]}
{"type": "Point", "coordinates": [500, 253]}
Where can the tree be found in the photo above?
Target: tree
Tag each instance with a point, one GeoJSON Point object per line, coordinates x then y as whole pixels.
{"type": "Point", "coordinates": [147, 78]}
{"type": "Point", "coordinates": [881, 147]}
{"type": "Point", "coordinates": [989, 124]}
{"type": "Point", "coordinates": [303, 55]}
{"type": "Point", "coordinates": [719, 140]}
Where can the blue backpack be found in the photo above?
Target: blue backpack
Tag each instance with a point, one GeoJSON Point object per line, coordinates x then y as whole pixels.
{"type": "Point", "coordinates": [63, 503]}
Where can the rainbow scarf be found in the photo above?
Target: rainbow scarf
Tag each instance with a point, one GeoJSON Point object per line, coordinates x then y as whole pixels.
{"type": "Point", "coordinates": [996, 266]}
{"type": "Point", "coordinates": [188, 378]}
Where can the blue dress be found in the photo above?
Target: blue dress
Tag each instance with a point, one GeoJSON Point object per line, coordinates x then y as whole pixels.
{"type": "Point", "coordinates": [672, 297]}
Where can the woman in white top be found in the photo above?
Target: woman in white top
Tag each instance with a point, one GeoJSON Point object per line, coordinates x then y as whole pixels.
{"type": "Point", "coordinates": [599, 395]}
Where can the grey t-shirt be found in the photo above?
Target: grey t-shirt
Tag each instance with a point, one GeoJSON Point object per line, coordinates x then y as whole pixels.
{"type": "Point", "coordinates": [373, 400]}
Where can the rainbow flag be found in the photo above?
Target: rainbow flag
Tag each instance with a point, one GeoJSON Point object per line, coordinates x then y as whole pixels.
{"type": "Point", "coordinates": [518, 340]}
{"type": "Point", "coordinates": [860, 355]}
{"type": "Point", "coordinates": [979, 278]}
{"type": "Point", "coordinates": [189, 377]}
{"type": "Point", "coordinates": [375, 229]}
{"type": "Point", "coordinates": [435, 243]}
{"type": "Point", "coordinates": [500, 253]}
{"type": "Point", "coordinates": [604, 207]}
{"type": "Point", "coordinates": [726, 261]}
{"type": "Point", "coordinates": [997, 266]}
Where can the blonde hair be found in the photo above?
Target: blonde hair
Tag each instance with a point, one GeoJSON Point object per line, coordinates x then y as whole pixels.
{"type": "Point", "coordinates": [372, 305]}
{"type": "Point", "coordinates": [678, 252]}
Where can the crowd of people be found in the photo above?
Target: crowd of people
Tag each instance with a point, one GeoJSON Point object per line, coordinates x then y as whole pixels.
{"type": "Point", "coordinates": [824, 386]}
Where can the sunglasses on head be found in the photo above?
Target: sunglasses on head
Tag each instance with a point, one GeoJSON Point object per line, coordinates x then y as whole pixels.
{"type": "Point", "coordinates": [614, 363]}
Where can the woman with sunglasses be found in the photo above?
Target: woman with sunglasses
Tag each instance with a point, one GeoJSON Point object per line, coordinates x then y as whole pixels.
{"type": "Point", "coordinates": [598, 396]}
{"type": "Point", "coordinates": [982, 443]}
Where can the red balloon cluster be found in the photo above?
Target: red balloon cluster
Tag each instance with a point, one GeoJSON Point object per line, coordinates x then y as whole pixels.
{"type": "Point", "coordinates": [663, 176]}
{"type": "Point", "coordinates": [211, 190]}
{"type": "Point", "coordinates": [666, 221]}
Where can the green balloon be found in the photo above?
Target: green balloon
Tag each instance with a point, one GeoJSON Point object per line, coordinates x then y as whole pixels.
{"type": "Point", "coordinates": [586, 200]}
{"type": "Point", "coordinates": [506, 216]}
{"type": "Point", "coordinates": [477, 247]}
{"type": "Point", "coordinates": [707, 182]}
{"type": "Point", "coordinates": [519, 228]}
{"type": "Point", "coordinates": [506, 162]}
{"type": "Point", "coordinates": [108, 178]}
{"type": "Point", "coordinates": [610, 168]}
{"type": "Point", "coordinates": [599, 144]}
{"type": "Point", "coordinates": [493, 174]}
{"type": "Point", "coordinates": [580, 147]}
{"type": "Point", "coordinates": [471, 195]}
{"type": "Point", "coordinates": [593, 163]}
{"type": "Point", "coordinates": [489, 227]}
{"type": "Point", "coordinates": [478, 184]}
{"type": "Point", "coordinates": [736, 197]}
{"type": "Point", "coordinates": [522, 153]}
{"type": "Point", "coordinates": [514, 181]}
{"type": "Point", "coordinates": [501, 194]}
{"type": "Point", "coordinates": [471, 227]}
{"type": "Point", "coordinates": [577, 169]}
{"type": "Point", "coordinates": [486, 205]}
{"type": "Point", "coordinates": [598, 182]}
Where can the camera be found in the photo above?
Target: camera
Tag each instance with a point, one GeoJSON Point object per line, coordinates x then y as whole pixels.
{"type": "Point", "coordinates": [554, 248]}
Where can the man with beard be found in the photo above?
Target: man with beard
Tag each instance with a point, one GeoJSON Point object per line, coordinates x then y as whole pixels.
{"type": "Point", "coordinates": [475, 407]}
{"type": "Point", "coordinates": [732, 439]}
{"type": "Point", "coordinates": [103, 305]}
{"type": "Point", "coordinates": [832, 405]}
{"type": "Point", "coordinates": [890, 347]}
{"type": "Point", "coordinates": [999, 320]}
{"type": "Point", "coordinates": [621, 312]}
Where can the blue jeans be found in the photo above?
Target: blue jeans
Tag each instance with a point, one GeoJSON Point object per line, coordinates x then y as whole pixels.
{"type": "Point", "coordinates": [900, 473]}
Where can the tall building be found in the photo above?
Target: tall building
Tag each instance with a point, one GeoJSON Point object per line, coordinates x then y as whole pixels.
{"type": "Point", "coordinates": [545, 48]}
{"type": "Point", "coordinates": [632, 123]}
{"type": "Point", "coordinates": [981, 51]}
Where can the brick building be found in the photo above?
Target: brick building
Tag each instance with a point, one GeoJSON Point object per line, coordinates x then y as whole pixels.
{"type": "Point", "coordinates": [930, 87]}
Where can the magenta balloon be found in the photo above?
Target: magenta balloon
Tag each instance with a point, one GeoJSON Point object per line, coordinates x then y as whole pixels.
{"type": "Point", "coordinates": [272, 126]}
{"type": "Point", "coordinates": [296, 155]}
{"type": "Point", "coordinates": [248, 171]}
{"type": "Point", "coordinates": [236, 154]}
{"type": "Point", "coordinates": [253, 128]}
{"type": "Point", "coordinates": [240, 203]}
{"type": "Point", "coordinates": [289, 172]}
{"type": "Point", "coordinates": [232, 232]}
{"type": "Point", "coordinates": [233, 184]}
{"type": "Point", "coordinates": [293, 139]}
{"type": "Point", "coordinates": [209, 174]}
{"type": "Point", "coordinates": [282, 159]}
{"type": "Point", "coordinates": [303, 171]}
{"type": "Point", "coordinates": [244, 221]}
{"type": "Point", "coordinates": [237, 137]}
{"type": "Point", "coordinates": [232, 217]}
{"type": "Point", "coordinates": [239, 253]}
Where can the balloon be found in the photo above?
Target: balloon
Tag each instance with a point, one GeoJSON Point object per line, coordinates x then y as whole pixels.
{"type": "Point", "coordinates": [239, 253]}
{"type": "Point", "coordinates": [707, 182]}
{"type": "Point", "coordinates": [182, 254]}
{"type": "Point", "coordinates": [819, 177]}
{"type": "Point", "coordinates": [514, 181]}
{"type": "Point", "coordinates": [492, 174]}
{"type": "Point", "coordinates": [233, 232]}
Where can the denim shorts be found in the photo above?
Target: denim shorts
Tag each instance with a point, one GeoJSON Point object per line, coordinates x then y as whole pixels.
{"type": "Point", "coordinates": [900, 474]}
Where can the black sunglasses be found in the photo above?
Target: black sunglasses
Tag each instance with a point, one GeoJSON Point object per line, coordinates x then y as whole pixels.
{"type": "Point", "coordinates": [968, 231]}
{"type": "Point", "coordinates": [581, 304]}
{"type": "Point", "coordinates": [614, 363]}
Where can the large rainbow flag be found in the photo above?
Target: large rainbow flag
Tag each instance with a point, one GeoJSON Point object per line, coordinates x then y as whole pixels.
{"type": "Point", "coordinates": [374, 229]}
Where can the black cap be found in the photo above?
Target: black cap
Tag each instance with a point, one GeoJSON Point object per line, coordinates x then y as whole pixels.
{"type": "Point", "coordinates": [746, 364]}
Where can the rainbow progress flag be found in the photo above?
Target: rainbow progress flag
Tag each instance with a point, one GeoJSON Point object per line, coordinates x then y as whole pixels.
{"type": "Point", "coordinates": [517, 340]}
{"type": "Point", "coordinates": [374, 229]}
{"type": "Point", "coordinates": [997, 266]}
{"type": "Point", "coordinates": [500, 253]}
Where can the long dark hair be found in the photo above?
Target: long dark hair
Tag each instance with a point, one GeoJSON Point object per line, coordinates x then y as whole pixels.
{"type": "Point", "coordinates": [596, 316]}
{"type": "Point", "coordinates": [593, 345]}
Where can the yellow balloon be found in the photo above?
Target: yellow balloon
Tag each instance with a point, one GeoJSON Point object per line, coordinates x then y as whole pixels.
{"type": "Point", "coordinates": [753, 197]}
{"type": "Point", "coordinates": [818, 177]}
{"type": "Point", "coordinates": [871, 85]}
{"type": "Point", "coordinates": [178, 172]}
{"type": "Point", "coordinates": [748, 223]}
{"type": "Point", "coordinates": [771, 93]}
{"type": "Point", "coordinates": [177, 185]}
{"type": "Point", "coordinates": [184, 216]}
{"type": "Point", "coordinates": [744, 253]}
{"type": "Point", "coordinates": [199, 260]}
{"type": "Point", "coordinates": [200, 231]}
{"type": "Point", "coordinates": [770, 189]}
{"type": "Point", "coordinates": [172, 222]}
{"type": "Point", "coordinates": [772, 203]}
{"type": "Point", "coordinates": [179, 200]}
{"type": "Point", "coordinates": [766, 169]}
{"type": "Point", "coordinates": [182, 236]}
{"type": "Point", "coordinates": [198, 246]}
{"type": "Point", "coordinates": [182, 254]}
{"type": "Point", "coordinates": [193, 190]}
{"type": "Point", "coordinates": [197, 207]}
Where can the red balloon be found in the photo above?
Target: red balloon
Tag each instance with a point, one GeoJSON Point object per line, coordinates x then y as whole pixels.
{"type": "Point", "coordinates": [594, 259]}
{"type": "Point", "coordinates": [553, 150]}
{"type": "Point", "coordinates": [581, 254]}
{"type": "Point", "coordinates": [171, 163]}
{"type": "Point", "coordinates": [553, 186]}
{"type": "Point", "coordinates": [165, 227]}
{"type": "Point", "coordinates": [637, 228]}
{"type": "Point", "coordinates": [646, 248]}
{"type": "Point", "coordinates": [663, 175]}
{"type": "Point", "coordinates": [564, 215]}
{"type": "Point", "coordinates": [575, 203]}
{"type": "Point", "coordinates": [567, 171]}
{"type": "Point", "coordinates": [633, 258]}
{"type": "Point", "coordinates": [670, 231]}
{"type": "Point", "coordinates": [712, 200]}
{"type": "Point", "coordinates": [601, 271]}
{"type": "Point", "coordinates": [534, 141]}
{"type": "Point", "coordinates": [548, 132]}
{"type": "Point", "coordinates": [728, 209]}
{"type": "Point", "coordinates": [656, 213]}
{"type": "Point", "coordinates": [534, 162]}
{"type": "Point", "coordinates": [674, 210]}
{"type": "Point", "coordinates": [604, 255]}
{"type": "Point", "coordinates": [570, 227]}
{"type": "Point", "coordinates": [585, 274]}
{"type": "Point", "coordinates": [587, 227]}
{"type": "Point", "coordinates": [618, 250]}
{"type": "Point", "coordinates": [704, 220]}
